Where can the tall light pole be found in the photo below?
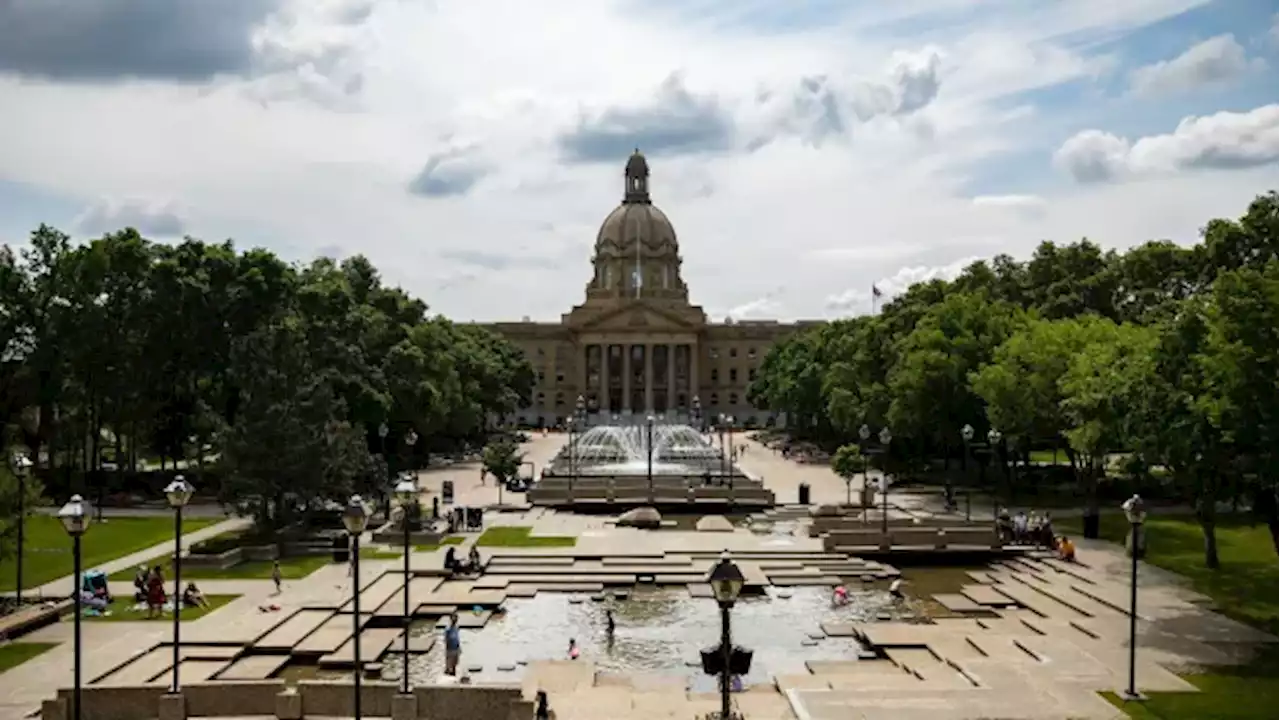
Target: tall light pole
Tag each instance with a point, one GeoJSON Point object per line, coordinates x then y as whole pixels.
{"type": "Point", "coordinates": [383, 430]}
{"type": "Point", "coordinates": [21, 468]}
{"type": "Point", "coordinates": [178, 493]}
{"type": "Point", "coordinates": [966, 434]}
{"type": "Point", "coordinates": [726, 580]}
{"type": "Point", "coordinates": [724, 458]}
{"type": "Point", "coordinates": [406, 492]}
{"type": "Point", "coordinates": [355, 518]}
{"type": "Point", "coordinates": [649, 445]}
{"type": "Point", "coordinates": [730, 422]}
{"type": "Point", "coordinates": [1136, 513]}
{"type": "Point", "coordinates": [75, 521]}
{"type": "Point", "coordinates": [993, 439]}
{"type": "Point", "coordinates": [864, 435]}
{"type": "Point", "coordinates": [886, 437]}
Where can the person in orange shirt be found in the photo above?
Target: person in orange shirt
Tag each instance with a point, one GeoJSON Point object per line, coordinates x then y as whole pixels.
{"type": "Point", "coordinates": [1066, 549]}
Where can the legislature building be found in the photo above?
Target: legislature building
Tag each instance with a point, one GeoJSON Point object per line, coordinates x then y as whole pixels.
{"type": "Point", "coordinates": [636, 346]}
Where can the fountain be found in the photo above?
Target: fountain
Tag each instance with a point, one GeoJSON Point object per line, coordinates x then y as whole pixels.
{"type": "Point", "coordinates": [659, 464]}
{"type": "Point", "coordinates": [623, 450]}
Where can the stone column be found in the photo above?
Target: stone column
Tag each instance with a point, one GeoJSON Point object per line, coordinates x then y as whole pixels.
{"type": "Point", "coordinates": [648, 378]}
{"type": "Point", "coordinates": [604, 381]}
{"type": "Point", "coordinates": [695, 388]}
{"type": "Point", "coordinates": [583, 354]}
{"type": "Point", "coordinates": [671, 378]}
{"type": "Point", "coordinates": [626, 378]}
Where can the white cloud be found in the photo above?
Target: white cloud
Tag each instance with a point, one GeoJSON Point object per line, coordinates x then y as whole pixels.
{"type": "Point", "coordinates": [1216, 61]}
{"type": "Point", "coordinates": [1222, 141]}
{"type": "Point", "coordinates": [852, 151]}
{"type": "Point", "coordinates": [154, 219]}
{"type": "Point", "coordinates": [857, 301]}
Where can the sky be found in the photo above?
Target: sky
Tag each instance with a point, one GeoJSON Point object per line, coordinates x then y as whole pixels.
{"type": "Point", "coordinates": [804, 150]}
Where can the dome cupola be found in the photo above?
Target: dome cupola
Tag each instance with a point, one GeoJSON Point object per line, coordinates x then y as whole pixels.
{"type": "Point", "coordinates": [636, 253]}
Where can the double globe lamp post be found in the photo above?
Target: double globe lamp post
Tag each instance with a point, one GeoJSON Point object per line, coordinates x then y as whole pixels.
{"type": "Point", "coordinates": [75, 521]}
{"type": "Point", "coordinates": [1135, 512]}
{"type": "Point", "coordinates": [21, 468]}
{"type": "Point", "coordinates": [355, 518]}
{"type": "Point", "coordinates": [406, 493]}
{"type": "Point", "coordinates": [178, 493]}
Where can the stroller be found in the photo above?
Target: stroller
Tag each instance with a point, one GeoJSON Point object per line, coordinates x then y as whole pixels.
{"type": "Point", "coordinates": [95, 583]}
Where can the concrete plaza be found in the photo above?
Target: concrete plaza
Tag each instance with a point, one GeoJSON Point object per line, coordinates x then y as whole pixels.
{"type": "Point", "coordinates": [1027, 637]}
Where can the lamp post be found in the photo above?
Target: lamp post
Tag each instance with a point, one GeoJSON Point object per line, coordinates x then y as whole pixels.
{"type": "Point", "coordinates": [355, 518]}
{"type": "Point", "coordinates": [649, 453]}
{"type": "Point", "coordinates": [886, 437]}
{"type": "Point", "coordinates": [21, 467]}
{"type": "Point", "coordinates": [723, 456]}
{"type": "Point", "coordinates": [383, 430]}
{"type": "Point", "coordinates": [75, 521]}
{"type": "Point", "coordinates": [864, 435]}
{"type": "Point", "coordinates": [1136, 513]}
{"type": "Point", "coordinates": [993, 439]}
{"type": "Point", "coordinates": [966, 434]}
{"type": "Point", "coordinates": [178, 493]}
{"type": "Point", "coordinates": [729, 421]}
{"type": "Point", "coordinates": [406, 492]}
{"type": "Point", "coordinates": [726, 580]}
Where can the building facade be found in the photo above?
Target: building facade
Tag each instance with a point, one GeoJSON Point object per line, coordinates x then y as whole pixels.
{"type": "Point", "coordinates": [636, 346]}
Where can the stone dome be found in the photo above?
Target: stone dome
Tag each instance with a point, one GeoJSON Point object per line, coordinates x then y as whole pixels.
{"type": "Point", "coordinates": [632, 222]}
{"type": "Point", "coordinates": [636, 252]}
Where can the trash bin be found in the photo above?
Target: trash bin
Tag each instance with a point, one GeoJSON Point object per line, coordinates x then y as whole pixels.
{"type": "Point", "coordinates": [804, 493]}
{"type": "Point", "coordinates": [341, 550]}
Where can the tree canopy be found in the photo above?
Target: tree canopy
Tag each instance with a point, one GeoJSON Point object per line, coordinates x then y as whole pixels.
{"type": "Point", "coordinates": [272, 378]}
{"type": "Point", "coordinates": [1163, 352]}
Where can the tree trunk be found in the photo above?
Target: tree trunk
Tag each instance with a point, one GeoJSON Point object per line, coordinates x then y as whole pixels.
{"type": "Point", "coordinates": [1091, 521]}
{"type": "Point", "coordinates": [1210, 540]}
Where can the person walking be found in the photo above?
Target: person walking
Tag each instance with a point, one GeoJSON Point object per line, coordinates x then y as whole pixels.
{"type": "Point", "coordinates": [452, 646]}
{"type": "Point", "coordinates": [277, 576]}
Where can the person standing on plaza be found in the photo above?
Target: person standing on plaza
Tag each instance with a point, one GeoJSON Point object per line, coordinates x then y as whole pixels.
{"type": "Point", "coordinates": [452, 646]}
{"type": "Point", "coordinates": [277, 576]}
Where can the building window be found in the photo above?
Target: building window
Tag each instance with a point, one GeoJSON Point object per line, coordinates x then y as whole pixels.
{"type": "Point", "coordinates": [751, 353]}
{"type": "Point", "coordinates": [715, 374]}
{"type": "Point", "coordinates": [542, 399]}
{"type": "Point", "coordinates": [751, 375]}
{"type": "Point", "coordinates": [715, 399]}
{"type": "Point", "coordinates": [559, 399]}
{"type": "Point", "coordinates": [559, 377]}
{"type": "Point", "coordinates": [714, 353]}
{"type": "Point", "coordinates": [733, 352]}
{"type": "Point", "coordinates": [541, 353]}
{"type": "Point", "coordinates": [733, 399]}
{"type": "Point", "coordinates": [733, 375]}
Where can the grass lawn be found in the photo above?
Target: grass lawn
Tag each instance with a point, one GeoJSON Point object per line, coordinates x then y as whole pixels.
{"type": "Point", "coordinates": [122, 611]}
{"type": "Point", "coordinates": [1244, 588]}
{"type": "Point", "coordinates": [291, 568]}
{"type": "Point", "coordinates": [47, 549]}
{"type": "Point", "coordinates": [448, 540]}
{"type": "Point", "coordinates": [14, 654]}
{"type": "Point", "coordinates": [518, 536]}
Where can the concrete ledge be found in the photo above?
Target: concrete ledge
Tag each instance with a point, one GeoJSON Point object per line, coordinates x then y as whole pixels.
{"type": "Point", "coordinates": [289, 705]}
{"type": "Point", "coordinates": [404, 706]}
{"type": "Point", "coordinates": [172, 706]}
{"type": "Point", "coordinates": [55, 709]}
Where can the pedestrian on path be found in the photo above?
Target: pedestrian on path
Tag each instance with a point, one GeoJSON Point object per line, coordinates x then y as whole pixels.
{"type": "Point", "coordinates": [452, 646]}
{"type": "Point", "coordinates": [276, 576]}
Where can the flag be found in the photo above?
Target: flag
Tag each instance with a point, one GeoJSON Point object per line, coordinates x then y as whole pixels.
{"type": "Point", "coordinates": [875, 291]}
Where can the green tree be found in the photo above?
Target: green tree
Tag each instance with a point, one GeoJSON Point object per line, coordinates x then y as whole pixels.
{"type": "Point", "coordinates": [847, 463]}
{"type": "Point", "coordinates": [502, 459]}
